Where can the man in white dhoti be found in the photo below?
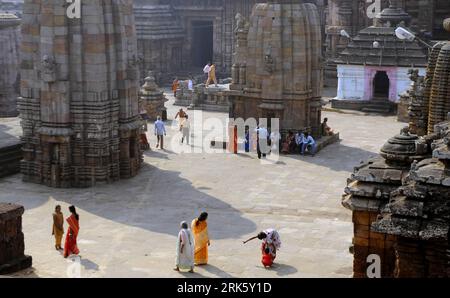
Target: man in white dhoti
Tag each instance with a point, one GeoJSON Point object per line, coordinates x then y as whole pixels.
{"type": "Point", "coordinates": [185, 249]}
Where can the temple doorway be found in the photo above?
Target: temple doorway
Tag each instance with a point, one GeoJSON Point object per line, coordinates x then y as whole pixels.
{"type": "Point", "coordinates": [202, 42]}
{"type": "Point", "coordinates": [381, 85]}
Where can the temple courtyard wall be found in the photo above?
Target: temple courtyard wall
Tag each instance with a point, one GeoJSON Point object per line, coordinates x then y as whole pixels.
{"type": "Point", "coordinates": [129, 229]}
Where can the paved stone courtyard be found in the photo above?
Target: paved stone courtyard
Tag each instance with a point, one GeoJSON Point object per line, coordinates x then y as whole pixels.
{"type": "Point", "coordinates": [129, 229]}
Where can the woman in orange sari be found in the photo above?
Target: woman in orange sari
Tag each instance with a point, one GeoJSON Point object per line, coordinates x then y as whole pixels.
{"type": "Point", "coordinates": [175, 86]}
{"type": "Point", "coordinates": [70, 246]}
{"type": "Point", "coordinates": [199, 228]}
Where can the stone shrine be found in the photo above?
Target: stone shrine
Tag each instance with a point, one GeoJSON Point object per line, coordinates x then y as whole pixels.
{"type": "Point", "coordinates": [373, 70]}
{"type": "Point", "coordinates": [12, 246]}
{"type": "Point", "coordinates": [277, 66]}
{"type": "Point", "coordinates": [152, 99]}
{"type": "Point", "coordinates": [354, 15]}
{"type": "Point", "coordinates": [9, 64]}
{"type": "Point", "coordinates": [79, 94]}
{"type": "Point", "coordinates": [408, 226]}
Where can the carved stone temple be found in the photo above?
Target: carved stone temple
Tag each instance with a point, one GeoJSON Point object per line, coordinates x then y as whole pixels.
{"type": "Point", "coordinates": [9, 64]}
{"type": "Point", "coordinates": [79, 94]}
{"type": "Point", "coordinates": [177, 37]}
{"type": "Point", "coordinates": [400, 199]}
{"type": "Point", "coordinates": [373, 70]}
{"type": "Point", "coordinates": [277, 66]}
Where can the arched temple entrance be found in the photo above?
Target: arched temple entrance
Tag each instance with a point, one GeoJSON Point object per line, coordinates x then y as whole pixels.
{"type": "Point", "coordinates": [381, 85]}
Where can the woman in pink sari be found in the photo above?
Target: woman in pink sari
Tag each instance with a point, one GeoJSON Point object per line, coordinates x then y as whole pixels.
{"type": "Point", "coordinates": [70, 246]}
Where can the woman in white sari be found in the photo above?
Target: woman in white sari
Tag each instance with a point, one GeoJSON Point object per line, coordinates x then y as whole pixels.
{"type": "Point", "coordinates": [185, 249]}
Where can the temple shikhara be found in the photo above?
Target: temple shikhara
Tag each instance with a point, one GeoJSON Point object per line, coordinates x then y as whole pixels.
{"type": "Point", "coordinates": [144, 138]}
{"type": "Point", "coordinates": [9, 62]}
{"type": "Point", "coordinates": [79, 95]}
{"type": "Point", "coordinates": [276, 69]}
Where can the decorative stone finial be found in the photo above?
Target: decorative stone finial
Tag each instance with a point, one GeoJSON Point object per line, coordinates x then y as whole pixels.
{"type": "Point", "coordinates": [447, 24]}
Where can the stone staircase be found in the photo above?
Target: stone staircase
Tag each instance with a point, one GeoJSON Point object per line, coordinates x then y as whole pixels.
{"type": "Point", "coordinates": [379, 106]}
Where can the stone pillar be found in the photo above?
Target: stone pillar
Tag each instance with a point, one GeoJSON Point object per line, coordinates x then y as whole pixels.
{"type": "Point", "coordinates": [9, 64]}
{"type": "Point", "coordinates": [12, 246]}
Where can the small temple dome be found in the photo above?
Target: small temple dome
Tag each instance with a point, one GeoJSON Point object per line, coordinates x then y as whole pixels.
{"type": "Point", "coordinates": [284, 44]}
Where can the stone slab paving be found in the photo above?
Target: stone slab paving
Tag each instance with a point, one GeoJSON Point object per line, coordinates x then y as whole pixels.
{"type": "Point", "coordinates": [129, 229]}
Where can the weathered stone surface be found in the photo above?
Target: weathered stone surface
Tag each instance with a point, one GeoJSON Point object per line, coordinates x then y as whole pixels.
{"type": "Point", "coordinates": [79, 108]}
{"type": "Point", "coordinates": [418, 213]}
{"type": "Point", "coordinates": [152, 99]}
{"type": "Point", "coordinates": [9, 64]}
{"type": "Point", "coordinates": [276, 69]}
{"type": "Point", "coordinates": [12, 247]}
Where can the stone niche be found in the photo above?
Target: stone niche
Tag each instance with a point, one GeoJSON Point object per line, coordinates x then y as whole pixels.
{"type": "Point", "coordinates": [9, 64]}
{"type": "Point", "coordinates": [277, 69]}
{"type": "Point", "coordinates": [79, 94]}
{"type": "Point", "coordinates": [12, 246]}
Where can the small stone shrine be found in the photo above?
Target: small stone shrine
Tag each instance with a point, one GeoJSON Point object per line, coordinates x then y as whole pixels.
{"type": "Point", "coordinates": [152, 98]}
{"type": "Point", "coordinates": [277, 66]}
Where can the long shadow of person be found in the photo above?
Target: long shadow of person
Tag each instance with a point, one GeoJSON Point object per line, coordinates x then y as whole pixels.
{"type": "Point", "coordinates": [192, 275]}
{"type": "Point", "coordinates": [216, 271]}
{"type": "Point", "coordinates": [89, 265]}
{"type": "Point", "coordinates": [283, 269]}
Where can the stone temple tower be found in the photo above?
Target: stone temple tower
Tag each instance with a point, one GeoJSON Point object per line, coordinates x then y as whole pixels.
{"type": "Point", "coordinates": [277, 65]}
{"type": "Point", "coordinates": [9, 62]}
{"type": "Point", "coordinates": [79, 93]}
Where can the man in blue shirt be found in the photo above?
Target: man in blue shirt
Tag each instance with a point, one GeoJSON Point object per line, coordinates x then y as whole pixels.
{"type": "Point", "coordinates": [309, 143]}
{"type": "Point", "coordinates": [160, 132]}
{"type": "Point", "coordinates": [299, 138]}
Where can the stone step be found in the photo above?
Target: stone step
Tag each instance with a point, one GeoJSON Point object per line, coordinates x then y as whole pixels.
{"type": "Point", "coordinates": [376, 110]}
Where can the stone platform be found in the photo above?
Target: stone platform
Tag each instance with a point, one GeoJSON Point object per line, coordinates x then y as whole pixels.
{"type": "Point", "coordinates": [367, 106]}
{"type": "Point", "coordinates": [10, 146]}
{"type": "Point", "coordinates": [12, 246]}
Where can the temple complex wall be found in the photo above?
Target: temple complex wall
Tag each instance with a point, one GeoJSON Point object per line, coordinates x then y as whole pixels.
{"type": "Point", "coordinates": [9, 64]}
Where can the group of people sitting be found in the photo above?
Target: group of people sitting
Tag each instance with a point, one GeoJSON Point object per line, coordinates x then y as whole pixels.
{"type": "Point", "coordinates": [302, 142]}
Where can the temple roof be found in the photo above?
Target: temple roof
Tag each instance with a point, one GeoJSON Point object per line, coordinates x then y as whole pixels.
{"type": "Point", "coordinates": [378, 45]}
{"type": "Point", "coordinates": [156, 22]}
{"type": "Point", "coordinates": [390, 52]}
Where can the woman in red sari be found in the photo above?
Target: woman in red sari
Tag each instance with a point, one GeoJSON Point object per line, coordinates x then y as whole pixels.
{"type": "Point", "coordinates": [70, 246]}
